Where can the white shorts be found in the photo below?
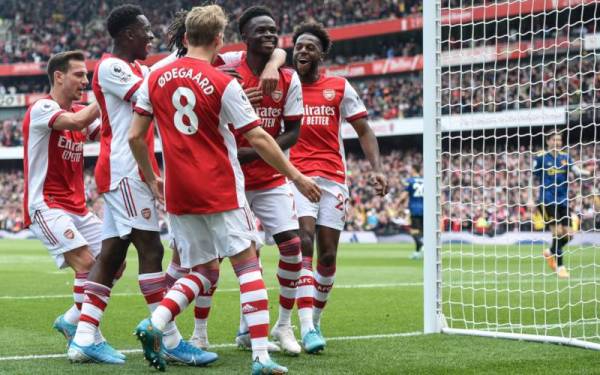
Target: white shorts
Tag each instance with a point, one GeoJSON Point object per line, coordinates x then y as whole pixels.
{"type": "Point", "coordinates": [275, 208]}
{"type": "Point", "coordinates": [203, 238]}
{"type": "Point", "coordinates": [130, 205]}
{"type": "Point", "coordinates": [61, 232]}
{"type": "Point", "coordinates": [330, 211]}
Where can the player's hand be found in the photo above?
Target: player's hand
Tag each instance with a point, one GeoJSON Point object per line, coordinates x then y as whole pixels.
{"type": "Point", "coordinates": [308, 187]}
{"type": "Point", "coordinates": [269, 80]}
{"type": "Point", "coordinates": [254, 95]}
{"type": "Point", "coordinates": [379, 183]}
{"type": "Point", "coordinates": [157, 186]}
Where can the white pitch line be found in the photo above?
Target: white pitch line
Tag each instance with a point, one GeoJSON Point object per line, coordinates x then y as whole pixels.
{"type": "Point", "coordinates": [135, 351]}
{"type": "Point", "coordinates": [231, 290]}
{"type": "Point", "coordinates": [455, 284]}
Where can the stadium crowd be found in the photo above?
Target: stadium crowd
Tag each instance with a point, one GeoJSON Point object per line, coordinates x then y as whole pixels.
{"type": "Point", "coordinates": [78, 24]}
{"type": "Point", "coordinates": [488, 194]}
{"type": "Point", "coordinates": [508, 88]}
{"type": "Point", "coordinates": [505, 87]}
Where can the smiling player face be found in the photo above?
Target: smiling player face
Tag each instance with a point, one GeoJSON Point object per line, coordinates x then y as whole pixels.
{"type": "Point", "coordinates": [307, 55]}
{"type": "Point", "coordinates": [260, 35]}
{"type": "Point", "coordinates": [74, 81]}
{"type": "Point", "coordinates": [142, 37]}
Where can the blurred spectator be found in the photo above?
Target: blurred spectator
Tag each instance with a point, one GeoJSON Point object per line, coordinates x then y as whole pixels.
{"type": "Point", "coordinates": [39, 31]}
{"type": "Point", "coordinates": [486, 192]}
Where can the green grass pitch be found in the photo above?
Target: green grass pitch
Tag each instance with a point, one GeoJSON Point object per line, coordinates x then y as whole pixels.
{"type": "Point", "coordinates": [373, 321]}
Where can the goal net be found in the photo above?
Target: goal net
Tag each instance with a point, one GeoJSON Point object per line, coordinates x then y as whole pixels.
{"type": "Point", "coordinates": [510, 72]}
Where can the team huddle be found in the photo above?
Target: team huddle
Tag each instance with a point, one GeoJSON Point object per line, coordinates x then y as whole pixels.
{"type": "Point", "coordinates": [226, 122]}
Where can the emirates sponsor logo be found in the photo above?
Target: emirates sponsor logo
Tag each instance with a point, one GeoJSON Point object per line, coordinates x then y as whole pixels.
{"type": "Point", "coordinates": [277, 95]}
{"type": "Point", "coordinates": [71, 150]}
{"type": "Point", "coordinates": [146, 213]}
{"type": "Point", "coordinates": [69, 234]}
{"type": "Point", "coordinates": [329, 94]}
{"type": "Point", "coordinates": [248, 308]}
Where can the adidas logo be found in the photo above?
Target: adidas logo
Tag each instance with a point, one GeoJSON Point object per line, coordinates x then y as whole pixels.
{"type": "Point", "coordinates": [247, 309]}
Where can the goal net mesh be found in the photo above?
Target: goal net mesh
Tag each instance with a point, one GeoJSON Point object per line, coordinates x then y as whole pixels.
{"type": "Point", "coordinates": [511, 71]}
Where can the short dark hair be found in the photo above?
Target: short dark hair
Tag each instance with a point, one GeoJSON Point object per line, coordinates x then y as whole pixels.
{"type": "Point", "coordinates": [551, 133]}
{"type": "Point", "coordinates": [121, 17]}
{"type": "Point", "coordinates": [417, 167]}
{"type": "Point", "coordinates": [60, 62]}
{"type": "Point", "coordinates": [316, 29]}
{"type": "Point", "coordinates": [252, 12]}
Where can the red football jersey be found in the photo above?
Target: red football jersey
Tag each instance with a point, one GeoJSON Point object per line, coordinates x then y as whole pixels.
{"type": "Point", "coordinates": [284, 104]}
{"type": "Point", "coordinates": [320, 149]}
{"type": "Point", "coordinates": [53, 161]}
{"type": "Point", "coordinates": [192, 104]}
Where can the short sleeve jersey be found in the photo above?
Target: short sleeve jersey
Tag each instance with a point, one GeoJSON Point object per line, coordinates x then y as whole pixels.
{"type": "Point", "coordinates": [320, 150]}
{"type": "Point", "coordinates": [115, 85]}
{"type": "Point", "coordinates": [53, 161]}
{"type": "Point", "coordinates": [284, 104]}
{"type": "Point", "coordinates": [192, 104]}
{"type": "Point", "coordinates": [553, 175]}
{"type": "Point", "coordinates": [415, 188]}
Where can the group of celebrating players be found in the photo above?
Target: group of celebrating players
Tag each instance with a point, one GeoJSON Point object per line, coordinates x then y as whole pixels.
{"type": "Point", "coordinates": [225, 121]}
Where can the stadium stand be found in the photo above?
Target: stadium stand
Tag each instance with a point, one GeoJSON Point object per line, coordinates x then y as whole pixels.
{"type": "Point", "coordinates": [79, 25]}
{"type": "Point", "coordinates": [512, 206]}
{"type": "Point", "coordinates": [385, 68]}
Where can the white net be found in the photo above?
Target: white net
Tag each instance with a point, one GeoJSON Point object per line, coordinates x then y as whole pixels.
{"type": "Point", "coordinates": [511, 72]}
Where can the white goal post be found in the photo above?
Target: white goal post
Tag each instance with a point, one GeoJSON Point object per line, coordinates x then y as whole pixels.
{"type": "Point", "coordinates": [498, 77]}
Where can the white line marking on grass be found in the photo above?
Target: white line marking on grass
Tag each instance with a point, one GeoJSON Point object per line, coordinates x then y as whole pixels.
{"type": "Point", "coordinates": [230, 290]}
{"type": "Point", "coordinates": [135, 351]}
{"type": "Point", "coordinates": [543, 279]}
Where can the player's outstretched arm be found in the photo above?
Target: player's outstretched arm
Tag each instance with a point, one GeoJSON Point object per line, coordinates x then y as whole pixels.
{"type": "Point", "coordinates": [78, 120]}
{"type": "Point", "coordinates": [285, 140]}
{"type": "Point", "coordinates": [270, 75]}
{"type": "Point", "coordinates": [137, 134]}
{"type": "Point", "coordinates": [268, 150]}
{"type": "Point", "coordinates": [369, 145]}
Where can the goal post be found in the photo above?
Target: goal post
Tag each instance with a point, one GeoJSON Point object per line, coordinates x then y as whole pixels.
{"type": "Point", "coordinates": [499, 76]}
{"type": "Point", "coordinates": [431, 166]}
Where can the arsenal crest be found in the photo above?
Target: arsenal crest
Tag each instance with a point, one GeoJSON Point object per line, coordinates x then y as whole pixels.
{"type": "Point", "coordinates": [146, 213]}
{"type": "Point", "coordinates": [277, 95]}
{"type": "Point", "coordinates": [329, 94]}
{"type": "Point", "coordinates": [69, 234]}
